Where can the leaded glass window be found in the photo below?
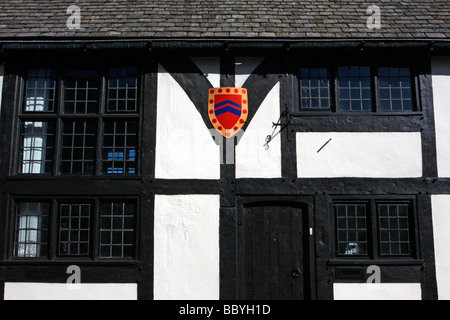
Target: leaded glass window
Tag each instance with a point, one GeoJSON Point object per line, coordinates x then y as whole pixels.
{"type": "Point", "coordinates": [351, 229]}
{"type": "Point", "coordinates": [394, 229]}
{"type": "Point", "coordinates": [31, 229]}
{"type": "Point", "coordinates": [117, 229]}
{"type": "Point", "coordinates": [355, 91]}
{"type": "Point", "coordinates": [395, 89]}
{"type": "Point", "coordinates": [314, 88]}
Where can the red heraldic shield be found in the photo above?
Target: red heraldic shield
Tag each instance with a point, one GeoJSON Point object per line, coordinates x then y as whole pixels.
{"type": "Point", "coordinates": [228, 109]}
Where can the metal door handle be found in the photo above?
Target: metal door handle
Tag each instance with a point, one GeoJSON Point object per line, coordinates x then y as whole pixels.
{"type": "Point", "coordinates": [296, 273]}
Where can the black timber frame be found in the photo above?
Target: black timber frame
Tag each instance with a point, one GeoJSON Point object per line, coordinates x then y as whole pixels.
{"type": "Point", "coordinates": [280, 58]}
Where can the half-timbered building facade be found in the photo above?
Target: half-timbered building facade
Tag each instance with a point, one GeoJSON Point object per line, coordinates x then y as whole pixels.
{"type": "Point", "coordinates": [225, 149]}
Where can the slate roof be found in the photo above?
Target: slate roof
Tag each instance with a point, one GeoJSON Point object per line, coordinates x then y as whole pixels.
{"type": "Point", "coordinates": [290, 19]}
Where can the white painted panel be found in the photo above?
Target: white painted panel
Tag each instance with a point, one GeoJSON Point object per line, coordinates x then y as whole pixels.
{"type": "Point", "coordinates": [63, 291]}
{"type": "Point", "coordinates": [186, 252]}
{"type": "Point", "coordinates": [2, 70]}
{"type": "Point", "coordinates": [244, 66]}
{"type": "Point", "coordinates": [210, 66]}
{"type": "Point", "coordinates": [441, 102]}
{"type": "Point", "coordinates": [441, 225]}
{"type": "Point", "coordinates": [359, 154]}
{"type": "Point", "coordinates": [252, 159]}
{"type": "Point", "coordinates": [184, 146]}
{"type": "Point", "coordinates": [377, 291]}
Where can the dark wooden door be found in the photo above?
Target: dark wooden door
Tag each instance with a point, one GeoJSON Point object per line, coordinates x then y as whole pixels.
{"type": "Point", "coordinates": [272, 252]}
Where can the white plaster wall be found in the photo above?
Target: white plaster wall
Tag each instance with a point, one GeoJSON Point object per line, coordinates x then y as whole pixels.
{"type": "Point", "coordinates": [210, 66]}
{"type": "Point", "coordinates": [186, 247]}
{"type": "Point", "coordinates": [441, 101]}
{"type": "Point", "coordinates": [359, 154]}
{"type": "Point", "coordinates": [2, 70]}
{"type": "Point", "coordinates": [244, 67]}
{"type": "Point", "coordinates": [63, 291]}
{"type": "Point", "coordinates": [252, 159]}
{"type": "Point", "coordinates": [184, 146]}
{"type": "Point", "coordinates": [377, 291]}
{"type": "Point", "coordinates": [441, 224]}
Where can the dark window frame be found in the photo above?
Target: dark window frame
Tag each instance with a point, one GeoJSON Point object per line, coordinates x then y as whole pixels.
{"type": "Point", "coordinates": [373, 228]}
{"type": "Point", "coordinates": [53, 229]}
{"type": "Point", "coordinates": [330, 76]}
{"type": "Point", "coordinates": [46, 163]}
{"type": "Point", "coordinates": [337, 87]}
{"type": "Point", "coordinates": [67, 242]}
{"type": "Point", "coordinates": [55, 89]}
{"type": "Point", "coordinates": [368, 231]}
{"type": "Point", "coordinates": [58, 116]}
{"type": "Point", "coordinates": [374, 64]}
{"type": "Point", "coordinates": [16, 228]}
{"type": "Point", "coordinates": [110, 215]}
{"type": "Point", "coordinates": [413, 83]}
{"type": "Point", "coordinates": [397, 230]}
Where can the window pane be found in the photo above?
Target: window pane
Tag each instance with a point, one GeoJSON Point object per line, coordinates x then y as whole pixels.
{"type": "Point", "coordinates": [122, 90]}
{"type": "Point", "coordinates": [395, 89]}
{"type": "Point", "coordinates": [81, 91]}
{"type": "Point", "coordinates": [355, 90]}
{"type": "Point", "coordinates": [31, 229]}
{"type": "Point", "coordinates": [74, 229]}
{"type": "Point", "coordinates": [40, 90]}
{"type": "Point", "coordinates": [78, 147]}
{"type": "Point", "coordinates": [351, 229]}
{"type": "Point", "coordinates": [119, 147]}
{"type": "Point", "coordinates": [394, 229]}
{"type": "Point", "coordinates": [36, 147]}
{"type": "Point", "coordinates": [117, 229]}
{"type": "Point", "coordinates": [314, 88]}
